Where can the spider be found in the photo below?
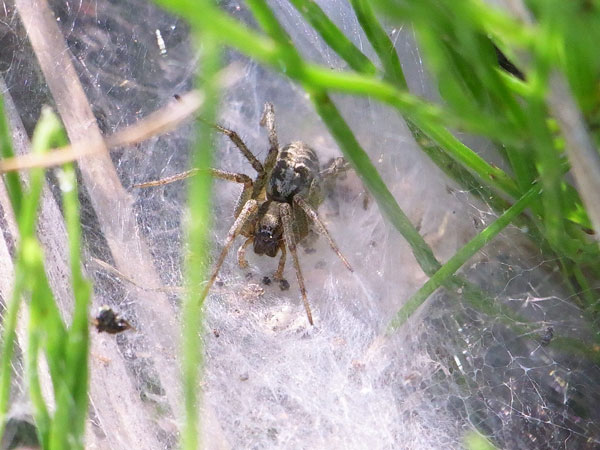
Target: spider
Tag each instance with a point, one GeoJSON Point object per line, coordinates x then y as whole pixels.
{"type": "Point", "coordinates": [275, 210]}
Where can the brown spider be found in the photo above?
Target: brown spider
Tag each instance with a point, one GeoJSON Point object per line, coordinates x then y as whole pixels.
{"type": "Point", "coordinates": [275, 209]}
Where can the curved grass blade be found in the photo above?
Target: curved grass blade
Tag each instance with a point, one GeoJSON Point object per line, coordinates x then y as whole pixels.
{"type": "Point", "coordinates": [334, 37]}
{"type": "Point", "coordinates": [381, 42]}
{"type": "Point", "coordinates": [462, 256]}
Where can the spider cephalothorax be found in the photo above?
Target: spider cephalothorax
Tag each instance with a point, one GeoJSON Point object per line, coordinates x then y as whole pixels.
{"type": "Point", "coordinates": [268, 235]}
{"type": "Point", "coordinates": [275, 209]}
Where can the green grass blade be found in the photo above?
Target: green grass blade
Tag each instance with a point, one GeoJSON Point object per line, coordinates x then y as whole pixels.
{"type": "Point", "coordinates": [45, 317]}
{"type": "Point", "coordinates": [30, 275]}
{"type": "Point", "coordinates": [8, 342]}
{"type": "Point", "coordinates": [9, 323]}
{"type": "Point", "coordinates": [462, 256]}
{"type": "Point", "coordinates": [352, 150]}
{"type": "Point", "coordinates": [48, 133]}
{"type": "Point", "coordinates": [13, 184]}
{"type": "Point", "coordinates": [198, 237]}
{"type": "Point", "coordinates": [42, 417]}
{"type": "Point", "coordinates": [289, 60]}
{"type": "Point", "coordinates": [38, 334]}
{"type": "Point", "coordinates": [334, 37]}
{"type": "Point", "coordinates": [73, 402]}
{"type": "Point", "coordinates": [475, 441]}
{"type": "Point", "coordinates": [380, 42]}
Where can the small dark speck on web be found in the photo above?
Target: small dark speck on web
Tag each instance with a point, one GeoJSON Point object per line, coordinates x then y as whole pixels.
{"type": "Point", "coordinates": [266, 281]}
{"type": "Point", "coordinates": [272, 433]}
{"type": "Point", "coordinates": [547, 336]}
{"type": "Point", "coordinates": [244, 376]}
{"type": "Point", "coordinates": [109, 321]}
{"type": "Point", "coordinates": [309, 251]}
{"type": "Point", "coordinates": [249, 276]}
{"type": "Point", "coordinates": [284, 285]}
{"type": "Point", "coordinates": [216, 333]}
{"type": "Point", "coordinates": [219, 283]}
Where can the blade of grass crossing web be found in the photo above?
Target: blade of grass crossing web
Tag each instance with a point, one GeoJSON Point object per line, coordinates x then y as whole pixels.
{"type": "Point", "coordinates": [9, 322]}
{"type": "Point", "coordinates": [30, 276]}
{"type": "Point", "coordinates": [198, 237]}
{"type": "Point", "coordinates": [334, 37]}
{"type": "Point", "coordinates": [45, 322]}
{"type": "Point", "coordinates": [71, 396]}
{"type": "Point", "coordinates": [462, 256]}
{"type": "Point", "coordinates": [13, 184]}
{"type": "Point", "coordinates": [381, 42]}
{"type": "Point", "coordinates": [78, 340]}
{"type": "Point", "coordinates": [352, 150]}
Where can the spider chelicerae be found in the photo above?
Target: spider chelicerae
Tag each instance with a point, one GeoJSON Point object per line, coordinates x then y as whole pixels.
{"type": "Point", "coordinates": [275, 210]}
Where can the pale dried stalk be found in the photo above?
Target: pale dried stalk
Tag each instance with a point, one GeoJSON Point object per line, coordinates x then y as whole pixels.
{"type": "Point", "coordinates": [166, 119]}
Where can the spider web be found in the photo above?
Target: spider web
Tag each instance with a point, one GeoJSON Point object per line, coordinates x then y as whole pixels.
{"type": "Point", "coordinates": [271, 380]}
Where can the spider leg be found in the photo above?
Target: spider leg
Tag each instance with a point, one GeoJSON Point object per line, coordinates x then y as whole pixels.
{"type": "Point", "coordinates": [217, 173]}
{"type": "Point", "coordinates": [241, 254]}
{"type": "Point", "coordinates": [249, 208]}
{"type": "Point", "coordinates": [268, 121]}
{"type": "Point", "coordinates": [279, 274]}
{"type": "Point", "coordinates": [335, 169]}
{"type": "Point", "coordinates": [244, 179]}
{"type": "Point", "coordinates": [239, 143]}
{"type": "Point", "coordinates": [229, 176]}
{"type": "Point", "coordinates": [338, 167]}
{"type": "Point", "coordinates": [310, 212]}
{"type": "Point", "coordinates": [288, 233]}
{"type": "Point", "coordinates": [167, 180]}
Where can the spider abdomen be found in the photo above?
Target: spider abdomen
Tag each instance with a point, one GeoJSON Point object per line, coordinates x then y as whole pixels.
{"type": "Point", "coordinates": [295, 169]}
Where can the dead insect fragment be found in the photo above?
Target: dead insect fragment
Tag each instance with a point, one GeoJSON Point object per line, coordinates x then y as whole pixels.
{"type": "Point", "coordinates": [110, 322]}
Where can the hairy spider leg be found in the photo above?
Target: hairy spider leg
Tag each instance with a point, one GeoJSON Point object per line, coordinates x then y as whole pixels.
{"type": "Point", "coordinates": [240, 144]}
{"type": "Point", "coordinates": [310, 212]}
{"type": "Point", "coordinates": [268, 120]}
{"type": "Point", "coordinates": [337, 167]}
{"type": "Point", "coordinates": [217, 173]}
{"type": "Point", "coordinates": [288, 233]}
{"type": "Point", "coordinates": [241, 178]}
{"type": "Point", "coordinates": [241, 254]}
{"type": "Point", "coordinates": [249, 208]}
{"type": "Point", "coordinates": [279, 274]}
{"type": "Point", "coordinates": [167, 180]}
